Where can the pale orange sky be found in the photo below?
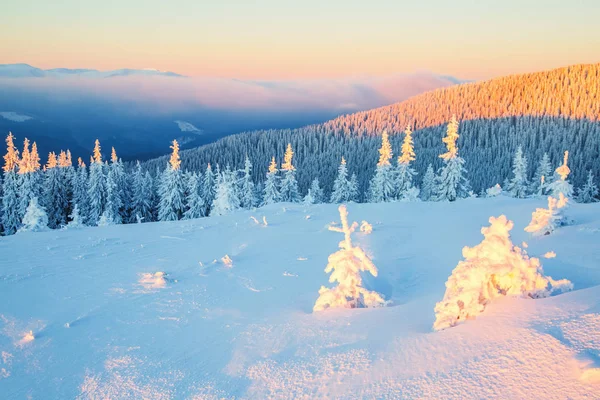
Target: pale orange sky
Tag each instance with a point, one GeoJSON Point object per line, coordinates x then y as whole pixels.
{"type": "Point", "coordinates": [269, 39]}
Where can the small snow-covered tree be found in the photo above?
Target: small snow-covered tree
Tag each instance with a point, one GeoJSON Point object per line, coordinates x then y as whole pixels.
{"type": "Point", "coordinates": [494, 191]}
{"type": "Point", "coordinates": [345, 267]}
{"type": "Point", "coordinates": [247, 187]}
{"type": "Point", "coordinates": [75, 218]}
{"type": "Point", "coordinates": [382, 185]}
{"type": "Point", "coordinates": [171, 189]}
{"type": "Point", "coordinates": [404, 172]}
{"type": "Point", "coordinates": [289, 186]}
{"type": "Point", "coordinates": [208, 188]}
{"type": "Point", "coordinates": [561, 184]}
{"type": "Point", "coordinates": [315, 193]}
{"type": "Point", "coordinates": [342, 188]}
{"type": "Point", "coordinates": [226, 199]}
{"type": "Point", "coordinates": [519, 186]}
{"type": "Point", "coordinates": [194, 201]}
{"type": "Point", "coordinates": [492, 269]}
{"type": "Point", "coordinates": [540, 178]}
{"type": "Point", "coordinates": [142, 195]}
{"type": "Point", "coordinates": [451, 182]}
{"type": "Point", "coordinates": [545, 220]}
{"type": "Point", "coordinates": [271, 193]}
{"type": "Point", "coordinates": [35, 219]}
{"type": "Point", "coordinates": [428, 185]}
{"type": "Point", "coordinates": [589, 192]}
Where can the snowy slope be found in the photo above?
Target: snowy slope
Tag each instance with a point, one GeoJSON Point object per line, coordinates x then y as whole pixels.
{"type": "Point", "coordinates": [248, 331]}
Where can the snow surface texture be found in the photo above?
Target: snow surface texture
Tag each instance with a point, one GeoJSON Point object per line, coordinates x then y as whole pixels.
{"type": "Point", "coordinates": [248, 332]}
{"type": "Point", "coordinates": [492, 269]}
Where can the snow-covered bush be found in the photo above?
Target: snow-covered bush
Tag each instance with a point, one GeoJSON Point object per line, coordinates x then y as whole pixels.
{"type": "Point", "coordinates": [35, 219]}
{"type": "Point", "coordinates": [492, 269]}
{"type": "Point", "coordinates": [494, 191]}
{"type": "Point", "coordinates": [345, 266]}
{"type": "Point", "coordinates": [75, 222]}
{"type": "Point", "coordinates": [561, 185]}
{"type": "Point", "coordinates": [545, 220]}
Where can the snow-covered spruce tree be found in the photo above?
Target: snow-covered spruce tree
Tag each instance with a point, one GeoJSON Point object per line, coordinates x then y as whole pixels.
{"type": "Point", "coordinates": [519, 186]}
{"type": "Point", "coordinates": [342, 188]}
{"type": "Point", "coordinates": [545, 220]}
{"type": "Point", "coordinates": [247, 188]}
{"type": "Point", "coordinates": [30, 184]}
{"type": "Point", "coordinates": [96, 187]}
{"type": "Point", "coordinates": [314, 194]}
{"type": "Point", "coordinates": [123, 186]}
{"type": "Point", "coordinates": [345, 266]}
{"type": "Point", "coordinates": [451, 182]}
{"type": "Point", "coordinates": [208, 188]}
{"type": "Point", "coordinates": [171, 189]}
{"type": "Point", "coordinates": [271, 193]}
{"type": "Point", "coordinates": [381, 187]}
{"type": "Point", "coordinates": [492, 269]}
{"type": "Point", "coordinates": [55, 194]}
{"type": "Point", "coordinates": [541, 176]}
{"type": "Point", "coordinates": [589, 192]}
{"type": "Point", "coordinates": [404, 172]}
{"type": "Point", "coordinates": [10, 188]}
{"type": "Point", "coordinates": [143, 195]}
{"type": "Point", "coordinates": [561, 184]}
{"type": "Point", "coordinates": [114, 204]}
{"type": "Point", "coordinates": [195, 206]}
{"type": "Point", "coordinates": [226, 199]}
{"type": "Point", "coordinates": [428, 185]}
{"type": "Point", "coordinates": [289, 186]}
{"type": "Point", "coordinates": [75, 221]}
{"type": "Point", "coordinates": [35, 219]}
{"type": "Point", "coordinates": [79, 190]}
{"type": "Point", "coordinates": [353, 189]}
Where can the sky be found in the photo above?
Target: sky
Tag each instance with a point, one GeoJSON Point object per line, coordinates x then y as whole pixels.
{"type": "Point", "coordinates": [282, 39]}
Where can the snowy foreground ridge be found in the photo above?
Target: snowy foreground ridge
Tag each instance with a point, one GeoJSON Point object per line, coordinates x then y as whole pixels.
{"type": "Point", "coordinates": [222, 307]}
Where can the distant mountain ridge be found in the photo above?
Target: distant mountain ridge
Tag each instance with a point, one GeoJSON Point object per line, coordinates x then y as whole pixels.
{"type": "Point", "coordinates": [27, 71]}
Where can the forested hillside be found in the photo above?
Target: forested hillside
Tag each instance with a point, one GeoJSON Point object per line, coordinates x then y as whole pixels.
{"type": "Point", "coordinates": [549, 112]}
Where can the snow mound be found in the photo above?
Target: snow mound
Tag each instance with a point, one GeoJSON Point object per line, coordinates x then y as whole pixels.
{"type": "Point", "coordinates": [550, 254]}
{"type": "Point", "coordinates": [346, 266]}
{"type": "Point", "coordinates": [492, 269]}
{"type": "Point", "coordinates": [153, 280]}
{"type": "Point", "coordinates": [545, 220]}
{"type": "Point", "coordinates": [227, 261]}
{"type": "Point", "coordinates": [27, 338]}
{"type": "Point", "coordinates": [366, 228]}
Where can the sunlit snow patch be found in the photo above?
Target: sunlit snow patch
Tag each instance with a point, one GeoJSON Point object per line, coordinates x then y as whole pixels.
{"type": "Point", "coordinates": [153, 280]}
{"type": "Point", "coordinates": [187, 127]}
{"type": "Point", "coordinates": [28, 337]}
{"type": "Point", "coordinates": [14, 117]}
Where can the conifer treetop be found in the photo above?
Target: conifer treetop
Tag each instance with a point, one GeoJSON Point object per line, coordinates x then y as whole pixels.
{"type": "Point", "coordinates": [97, 158]}
{"type": "Point", "coordinates": [343, 161]}
{"type": "Point", "coordinates": [563, 171]}
{"type": "Point", "coordinates": [273, 166]}
{"type": "Point", "coordinates": [52, 161]}
{"type": "Point", "coordinates": [287, 159]}
{"type": "Point", "coordinates": [25, 161]}
{"type": "Point", "coordinates": [113, 156]}
{"type": "Point", "coordinates": [34, 157]}
{"type": "Point", "coordinates": [450, 139]}
{"type": "Point", "coordinates": [174, 161]}
{"type": "Point", "coordinates": [11, 158]}
{"type": "Point", "coordinates": [385, 151]}
{"type": "Point", "coordinates": [408, 151]}
{"type": "Point", "coordinates": [63, 160]}
{"type": "Point", "coordinates": [80, 162]}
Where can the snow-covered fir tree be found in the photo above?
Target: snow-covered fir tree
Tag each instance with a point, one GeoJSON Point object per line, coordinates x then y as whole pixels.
{"type": "Point", "coordinates": [342, 189]}
{"type": "Point", "coordinates": [208, 188]}
{"type": "Point", "coordinates": [492, 269]}
{"type": "Point", "coordinates": [382, 184]}
{"type": "Point", "coordinates": [123, 186]}
{"type": "Point", "coordinates": [172, 189]}
{"type": "Point", "coordinates": [114, 204]}
{"type": "Point", "coordinates": [35, 219]}
{"type": "Point", "coordinates": [10, 188]}
{"type": "Point", "coordinates": [345, 267]}
{"type": "Point", "coordinates": [451, 181]}
{"type": "Point", "coordinates": [314, 195]}
{"type": "Point", "coordinates": [96, 187]}
{"type": "Point", "coordinates": [226, 199]}
{"type": "Point", "coordinates": [404, 172]}
{"type": "Point", "coordinates": [75, 221]}
{"type": "Point", "coordinates": [541, 177]}
{"type": "Point", "coordinates": [195, 206]}
{"type": "Point", "coordinates": [561, 184]}
{"type": "Point", "coordinates": [271, 193]}
{"type": "Point", "coordinates": [55, 201]}
{"type": "Point", "coordinates": [588, 192]}
{"type": "Point", "coordinates": [519, 185]}
{"type": "Point", "coordinates": [247, 190]}
{"type": "Point", "coordinates": [30, 184]}
{"type": "Point", "coordinates": [143, 195]}
{"type": "Point", "coordinates": [288, 191]}
{"type": "Point", "coordinates": [353, 192]}
{"type": "Point", "coordinates": [79, 190]}
{"type": "Point", "coordinates": [428, 184]}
